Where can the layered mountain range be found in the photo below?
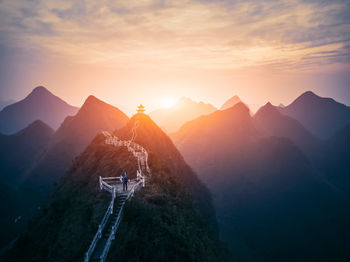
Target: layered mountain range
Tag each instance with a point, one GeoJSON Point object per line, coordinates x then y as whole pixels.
{"type": "Point", "coordinates": [40, 104]}
{"type": "Point", "coordinates": [276, 185]}
{"type": "Point", "coordinates": [170, 119]}
{"type": "Point", "coordinates": [273, 186]}
{"type": "Point", "coordinates": [160, 223]}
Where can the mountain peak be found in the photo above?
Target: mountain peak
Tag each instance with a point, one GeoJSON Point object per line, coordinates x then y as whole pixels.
{"type": "Point", "coordinates": [308, 95]}
{"type": "Point", "coordinates": [231, 102]}
{"type": "Point", "coordinates": [36, 126]}
{"type": "Point", "coordinates": [267, 109]}
{"type": "Point", "coordinates": [241, 107]}
{"type": "Point", "coordinates": [40, 91]}
{"type": "Point", "coordinates": [92, 103]}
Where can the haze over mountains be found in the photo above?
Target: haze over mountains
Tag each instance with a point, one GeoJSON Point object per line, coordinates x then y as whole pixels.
{"type": "Point", "coordinates": [268, 198]}
{"type": "Point", "coordinates": [36, 157]}
{"type": "Point", "coordinates": [4, 103]}
{"type": "Point", "coordinates": [18, 152]}
{"type": "Point", "coordinates": [322, 116]}
{"type": "Point", "coordinates": [40, 104]}
{"type": "Point", "coordinates": [170, 119]}
{"type": "Point", "coordinates": [75, 133]}
{"type": "Point", "coordinates": [280, 186]}
{"type": "Point", "coordinates": [231, 102]}
{"type": "Point", "coordinates": [160, 214]}
{"type": "Point", "coordinates": [271, 122]}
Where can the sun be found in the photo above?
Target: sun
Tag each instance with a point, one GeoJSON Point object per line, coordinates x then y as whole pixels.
{"type": "Point", "coordinates": [167, 102]}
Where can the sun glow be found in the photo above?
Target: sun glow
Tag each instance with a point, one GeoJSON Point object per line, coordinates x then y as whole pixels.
{"type": "Point", "coordinates": [167, 102]}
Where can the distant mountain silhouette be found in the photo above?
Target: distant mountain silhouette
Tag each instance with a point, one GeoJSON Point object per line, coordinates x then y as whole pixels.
{"type": "Point", "coordinates": [184, 110]}
{"type": "Point", "coordinates": [336, 160]}
{"type": "Point", "coordinates": [162, 211]}
{"type": "Point", "coordinates": [273, 123]}
{"type": "Point", "coordinates": [4, 103]}
{"type": "Point", "coordinates": [322, 116]}
{"type": "Point", "coordinates": [230, 103]}
{"type": "Point", "coordinates": [268, 199]}
{"type": "Point", "coordinates": [40, 104]}
{"type": "Point", "coordinates": [75, 133]}
{"type": "Point", "coordinates": [19, 151]}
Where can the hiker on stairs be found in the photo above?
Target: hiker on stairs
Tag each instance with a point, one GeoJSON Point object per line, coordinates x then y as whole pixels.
{"type": "Point", "coordinates": [125, 182]}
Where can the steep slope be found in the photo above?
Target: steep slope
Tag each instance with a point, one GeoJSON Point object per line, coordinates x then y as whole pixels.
{"type": "Point", "coordinates": [270, 205]}
{"type": "Point", "coordinates": [170, 119]}
{"type": "Point", "coordinates": [230, 103]}
{"type": "Point", "coordinates": [72, 137]}
{"type": "Point", "coordinates": [322, 116]}
{"type": "Point", "coordinates": [160, 222]}
{"type": "Point", "coordinates": [163, 148]}
{"type": "Point", "coordinates": [14, 206]}
{"type": "Point", "coordinates": [271, 122]}
{"type": "Point", "coordinates": [336, 161]}
{"type": "Point", "coordinates": [40, 104]}
{"type": "Point", "coordinates": [19, 151]}
{"type": "Point", "coordinates": [17, 154]}
{"type": "Point", "coordinates": [4, 103]}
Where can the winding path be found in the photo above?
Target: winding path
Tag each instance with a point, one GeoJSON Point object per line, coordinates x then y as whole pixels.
{"type": "Point", "coordinates": [108, 227]}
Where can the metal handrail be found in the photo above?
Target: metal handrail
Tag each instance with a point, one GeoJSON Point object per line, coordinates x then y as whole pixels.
{"type": "Point", "coordinates": [138, 152]}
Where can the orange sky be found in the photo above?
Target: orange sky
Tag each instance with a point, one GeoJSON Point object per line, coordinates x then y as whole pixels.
{"type": "Point", "coordinates": [130, 52]}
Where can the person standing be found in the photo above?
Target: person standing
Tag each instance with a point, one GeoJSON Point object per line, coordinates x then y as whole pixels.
{"type": "Point", "coordinates": [125, 182]}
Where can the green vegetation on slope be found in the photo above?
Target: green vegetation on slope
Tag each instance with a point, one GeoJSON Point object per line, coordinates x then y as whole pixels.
{"type": "Point", "coordinates": [161, 224]}
{"type": "Point", "coordinates": [162, 213]}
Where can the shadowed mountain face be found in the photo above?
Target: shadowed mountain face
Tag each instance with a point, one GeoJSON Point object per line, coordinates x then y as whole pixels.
{"type": "Point", "coordinates": [156, 141]}
{"type": "Point", "coordinates": [72, 137]}
{"type": "Point", "coordinates": [230, 103]}
{"type": "Point", "coordinates": [40, 104]}
{"type": "Point", "coordinates": [336, 162]}
{"type": "Point", "coordinates": [270, 205]}
{"type": "Point", "coordinates": [4, 103]}
{"type": "Point", "coordinates": [163, 210]}
{"type": "Point", "coordinates": [271, 122]}
{"type": "Point", "coordinates": [322, 116]}
{"type": "Point", "coordinates": [170, 119]}
{"type": "Point", "coordinates": [17, 153]}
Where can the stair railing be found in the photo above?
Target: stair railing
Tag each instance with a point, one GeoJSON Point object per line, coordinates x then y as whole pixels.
{"type": "Point", "coordinates": [101, 226]}
{"type": "Point", "coordinates": [133, 148]}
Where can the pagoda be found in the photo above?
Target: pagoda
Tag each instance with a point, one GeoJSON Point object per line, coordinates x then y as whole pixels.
{"type": "Point", "coordinates": [141, 109]}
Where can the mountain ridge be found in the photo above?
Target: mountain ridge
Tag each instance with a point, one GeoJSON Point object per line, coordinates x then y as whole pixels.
{"type": "Point", "coordinates": [40, 104]}
{"type": "Point", "coordinates": [323, 116]}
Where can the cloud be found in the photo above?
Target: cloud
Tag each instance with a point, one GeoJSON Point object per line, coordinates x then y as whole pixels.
{"type": "Point", "coordinates": [182, 34]}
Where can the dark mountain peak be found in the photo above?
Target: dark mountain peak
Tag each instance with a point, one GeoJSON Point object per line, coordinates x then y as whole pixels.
{"type": "Point", "coordinates": [308, 94]}
{"type": "Point", "coordinates": [92, 104]}
{"type": "Point", "coordinates": [310, 97]}
{"type": "Point", "coordinates": [36, 128]}
{"type": "Point", "coordinates": [40, 89]}
{"type": "Point", "coordinates": [40, 92]}
{"type": "Point", "coordinates": [268, 108]}
{"type": "Point", "coordinates": [39, 104]}
{"type": "Point", "coordinates": [231, 102]}
{"type": "Point", "coordinates": [38, 124]}
{"type": "Point", "coordinates": [323, 116]}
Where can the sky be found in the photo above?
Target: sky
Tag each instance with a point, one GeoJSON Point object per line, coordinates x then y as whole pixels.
{"type": "Point", "coordinates": [154, 52]}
